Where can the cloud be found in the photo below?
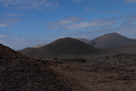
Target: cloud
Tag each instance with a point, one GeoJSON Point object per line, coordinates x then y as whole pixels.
{"type": "Point", "coordinates": [48, 23]}
{"type": "Point", "coordinates": [8, 21]}
{"type": "Point", "coordinates": [69, 20]}
{"type": "Point", "coordinates": [3, 25]}
{"type": "Point", "coordinates": [20, 43]}
{"type": "Point", "coordinates": [54, 27]}
{"type": "Point", "coordinates": [29, 4]}
{"type": "Point", "coordinates": [64, 22]}
{"type": "Point", "coordinates": [12, 15]}
{"type": "Point", "coordinates": [11, 20]}
{"type": "Point", "coordinates": [131, 16]}
{"type": "Point", "coordinates": [127, 25]}
{"type": "Point", "coordinates": [72, 23]}
{"type": "Point", "coordinates": [130, 1]}
{"type": "Point", "coordinates": [127, 28]}
{"type": "Point", "coordinates": [109, 11]}
{"type": "Point", "coordinates": [3, 36]}
{"type": "Point", "coordinates": [94, 23]}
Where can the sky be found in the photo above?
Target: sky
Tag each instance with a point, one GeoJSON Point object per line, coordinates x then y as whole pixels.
{"type": "Point", "coordinates": [25, 23]}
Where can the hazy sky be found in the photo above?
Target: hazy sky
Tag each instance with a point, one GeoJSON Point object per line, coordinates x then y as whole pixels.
{"type": "Point", "coordinates": [25, 23]}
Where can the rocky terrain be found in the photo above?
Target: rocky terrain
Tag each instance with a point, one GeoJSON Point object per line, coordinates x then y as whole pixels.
{"type": "Point", "coordinates": [107, 73]}
{"type": "Point", "coordinates": [21, 73]}
{"type": "Point", "coordinates": [102, 73]}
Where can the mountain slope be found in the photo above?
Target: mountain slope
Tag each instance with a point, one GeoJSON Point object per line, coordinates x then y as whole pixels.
{"type": "Point", "coordinates": [60, 48]}
{"type": "Point", "coordinates": [21, 73]}
{"type": "Point", "coordinates": [111, 40]}
{"type": "Point", "coordinates": [84, 40]}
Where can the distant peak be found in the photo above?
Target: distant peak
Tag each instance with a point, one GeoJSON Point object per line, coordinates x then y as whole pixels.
{"type": "Point", "coordinates": [114, 33]}
{"type": "Point", "coordinates": [68, 38]}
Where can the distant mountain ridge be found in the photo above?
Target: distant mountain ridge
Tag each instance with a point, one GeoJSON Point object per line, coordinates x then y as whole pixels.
{"type": "Point", "coordinates": [111, 40]}
{"type": "Point", "coordinates": [60, 48]}
{"type": "Point", "coordinates": [38, 46]}
{"type": "Point", "coordinates": [68, 47]}
{"type": "Point", "coordinates": [84, 40]}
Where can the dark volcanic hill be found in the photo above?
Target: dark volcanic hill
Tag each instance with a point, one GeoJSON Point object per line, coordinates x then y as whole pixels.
{"type": "Point", "coordinates": [21, 73]}
{"type": "Point", "coordinates": [84, 40]}
{"type": "Point", "coordinates": [63, 47]}
{"type": "Point", "coordinates": [111, 40]}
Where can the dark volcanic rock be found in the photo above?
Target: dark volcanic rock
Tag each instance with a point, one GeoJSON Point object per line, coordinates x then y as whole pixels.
{"type": "Point", "coordinates": [116, 60]}
{"type": "Point", "coordinates": [21, 73]}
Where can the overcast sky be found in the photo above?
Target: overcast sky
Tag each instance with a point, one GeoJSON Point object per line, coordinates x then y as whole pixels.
{"type": "Point", "coordinates": [25, 23]}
